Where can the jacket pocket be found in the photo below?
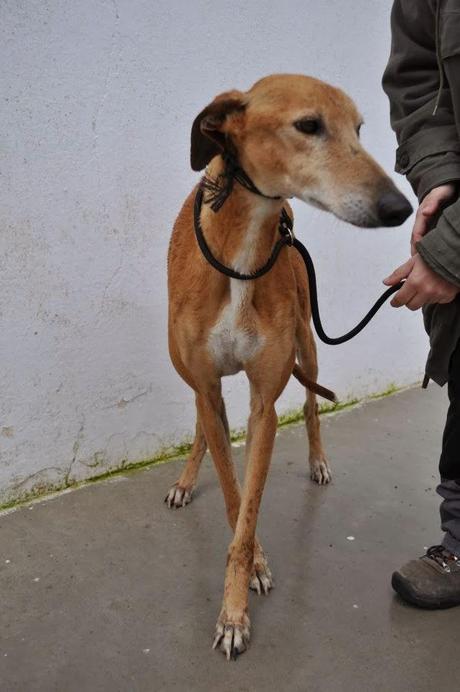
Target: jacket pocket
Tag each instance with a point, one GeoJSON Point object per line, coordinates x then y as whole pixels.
{"type": "Point", "coordinates": [450, 32]}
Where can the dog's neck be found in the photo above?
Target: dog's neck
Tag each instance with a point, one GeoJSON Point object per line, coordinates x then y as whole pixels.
{"type": "Point", "coordinates": [243, 232]}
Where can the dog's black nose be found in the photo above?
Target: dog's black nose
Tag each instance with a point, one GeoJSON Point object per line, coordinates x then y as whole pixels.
{"type": "Point", "coordinates": [393, 209]}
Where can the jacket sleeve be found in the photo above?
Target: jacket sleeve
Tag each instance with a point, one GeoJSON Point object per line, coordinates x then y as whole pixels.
{"type": "Point", "coordinates": [440, 248]}
{"type": "Point", "coordinates": [429, 146]}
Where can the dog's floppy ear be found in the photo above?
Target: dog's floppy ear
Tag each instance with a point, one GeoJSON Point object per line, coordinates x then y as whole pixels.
{"type": "Point", "coordinates": [208, 136]}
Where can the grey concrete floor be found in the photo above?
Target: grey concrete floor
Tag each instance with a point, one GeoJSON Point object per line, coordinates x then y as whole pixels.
{"type": "Point", "coordinates": [105, 589]}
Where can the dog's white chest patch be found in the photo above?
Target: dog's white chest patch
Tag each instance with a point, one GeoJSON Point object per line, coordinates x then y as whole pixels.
{"type": "Point", "coordinates": [230, 343]}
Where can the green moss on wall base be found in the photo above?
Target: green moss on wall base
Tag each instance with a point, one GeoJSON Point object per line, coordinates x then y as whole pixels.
{"type": "Point", "coordinates": [177, 452]}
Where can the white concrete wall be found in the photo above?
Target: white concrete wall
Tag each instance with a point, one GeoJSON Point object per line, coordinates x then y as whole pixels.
{"type": "Point", "coordinates": [97, 99]}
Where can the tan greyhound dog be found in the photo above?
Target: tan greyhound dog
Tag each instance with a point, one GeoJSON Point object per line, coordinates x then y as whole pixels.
{"type": "Point", "coordinates": [294, 136]}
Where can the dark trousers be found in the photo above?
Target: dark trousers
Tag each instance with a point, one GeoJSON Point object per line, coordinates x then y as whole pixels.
{"type": "Point", "coordinates": [449, 465]}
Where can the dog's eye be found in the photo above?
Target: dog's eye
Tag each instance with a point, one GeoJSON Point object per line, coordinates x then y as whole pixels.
{"type": "Point", "coordinates": [358, 129]}
{"type": "Point", "coordinates": [309, 126]}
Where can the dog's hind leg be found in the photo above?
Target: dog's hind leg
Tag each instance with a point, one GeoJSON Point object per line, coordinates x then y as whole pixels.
{"type": "Point", "coordinates": [306, 351]}
{"type": "Point", "coordinates": [212, 417]}
{"type": "Point", "coordinates": [180, 494]}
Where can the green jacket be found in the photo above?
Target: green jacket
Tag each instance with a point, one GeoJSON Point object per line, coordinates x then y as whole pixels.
{"type": "Point", "coordinates": [422, 82]}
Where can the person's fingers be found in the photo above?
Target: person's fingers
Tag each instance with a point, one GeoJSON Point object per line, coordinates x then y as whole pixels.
{"type": "Point", "coordinates": [436, 198]}
{"type": "Point", "coordinates": [400, 273]}
{"type": "Point", "coordinates": [419, 230]}
{"type": "Point", "coordinates": [430, 208]}
{"type": "Point", "coordinates": [416, 302]}
{"type": "Point", "coordinates": [430, 204]}
{"type": "Point", "coordinates": [422, 285]}
{"type": "Point", "coordinates": [446, 297]}
{"type": "Point", "coordinates": [404, 295]}
{"type": "Point", "coordinates": [427, 209]}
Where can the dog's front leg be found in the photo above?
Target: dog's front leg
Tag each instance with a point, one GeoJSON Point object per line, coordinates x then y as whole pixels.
{"type": "Point", "coordinates": [232, 630]}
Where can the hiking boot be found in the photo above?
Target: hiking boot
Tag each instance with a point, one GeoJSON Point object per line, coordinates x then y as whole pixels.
{"type": "Point", "coordinates": [432, 581]}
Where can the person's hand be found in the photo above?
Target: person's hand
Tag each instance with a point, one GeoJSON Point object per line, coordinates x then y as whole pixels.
{"type": "Point", "coordinates": [422, 286]}
{"type": "Point", "coordinates": [428, 209]}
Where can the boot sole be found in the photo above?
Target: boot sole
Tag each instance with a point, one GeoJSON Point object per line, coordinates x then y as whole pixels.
{"type": "Point", "coordinates": [404, 589]}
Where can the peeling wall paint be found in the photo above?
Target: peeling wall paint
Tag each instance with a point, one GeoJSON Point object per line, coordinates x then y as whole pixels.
{"type": "Point", "coordinates": [96, 103]}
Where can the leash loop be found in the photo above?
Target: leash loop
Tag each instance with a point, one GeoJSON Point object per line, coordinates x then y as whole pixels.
{"type": "Point", "coordinates": [286, 228]}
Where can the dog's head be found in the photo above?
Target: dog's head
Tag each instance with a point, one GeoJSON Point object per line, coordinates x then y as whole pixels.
{"type": "Point", "coordinates": [296, 136]}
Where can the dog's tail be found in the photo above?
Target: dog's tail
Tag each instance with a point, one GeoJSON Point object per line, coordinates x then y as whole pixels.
{"type": "Point", "coordinates": [313, 386]}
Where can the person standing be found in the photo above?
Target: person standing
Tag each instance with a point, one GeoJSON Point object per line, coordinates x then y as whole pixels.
{"type": "Point", "coordinates": [422, 82]}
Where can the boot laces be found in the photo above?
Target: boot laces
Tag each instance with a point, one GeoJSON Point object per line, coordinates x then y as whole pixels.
{"type": "Point", "coordinates": [443, 557]}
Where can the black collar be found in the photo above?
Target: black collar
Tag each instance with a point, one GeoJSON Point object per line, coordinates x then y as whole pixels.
{"type": "Point", "coordinates": [286, 238]}
{"type": "Point", "coordinates": [221, 188]}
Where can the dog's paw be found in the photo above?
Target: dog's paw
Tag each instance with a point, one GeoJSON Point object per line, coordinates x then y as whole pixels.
{"type": "Point", "coordinates": [178, 496]}
{"type": "Point", "coordinates": [261, 578]}
{"type": "Point", "coordinates": [320, 471]}
{"type": "Point", "coordinates": [232, 635]}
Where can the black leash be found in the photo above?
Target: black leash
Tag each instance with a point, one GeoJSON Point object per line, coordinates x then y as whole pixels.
{"type": "Point", "coordinates": [218, 196]}
{"type": "Point", "coordinates": [314, 302]}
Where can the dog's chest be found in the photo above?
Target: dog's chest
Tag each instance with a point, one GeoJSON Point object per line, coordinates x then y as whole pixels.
{"type": "Point", "coordinates": [234, 339]}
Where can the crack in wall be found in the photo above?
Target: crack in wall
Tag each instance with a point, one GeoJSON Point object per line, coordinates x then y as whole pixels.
{"type": "Point", "coordinates": [108, 284]}
{"type": "Point", "coordinates": [122, 403]}
{"type": "Point", "coordinates": [75, 450]}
